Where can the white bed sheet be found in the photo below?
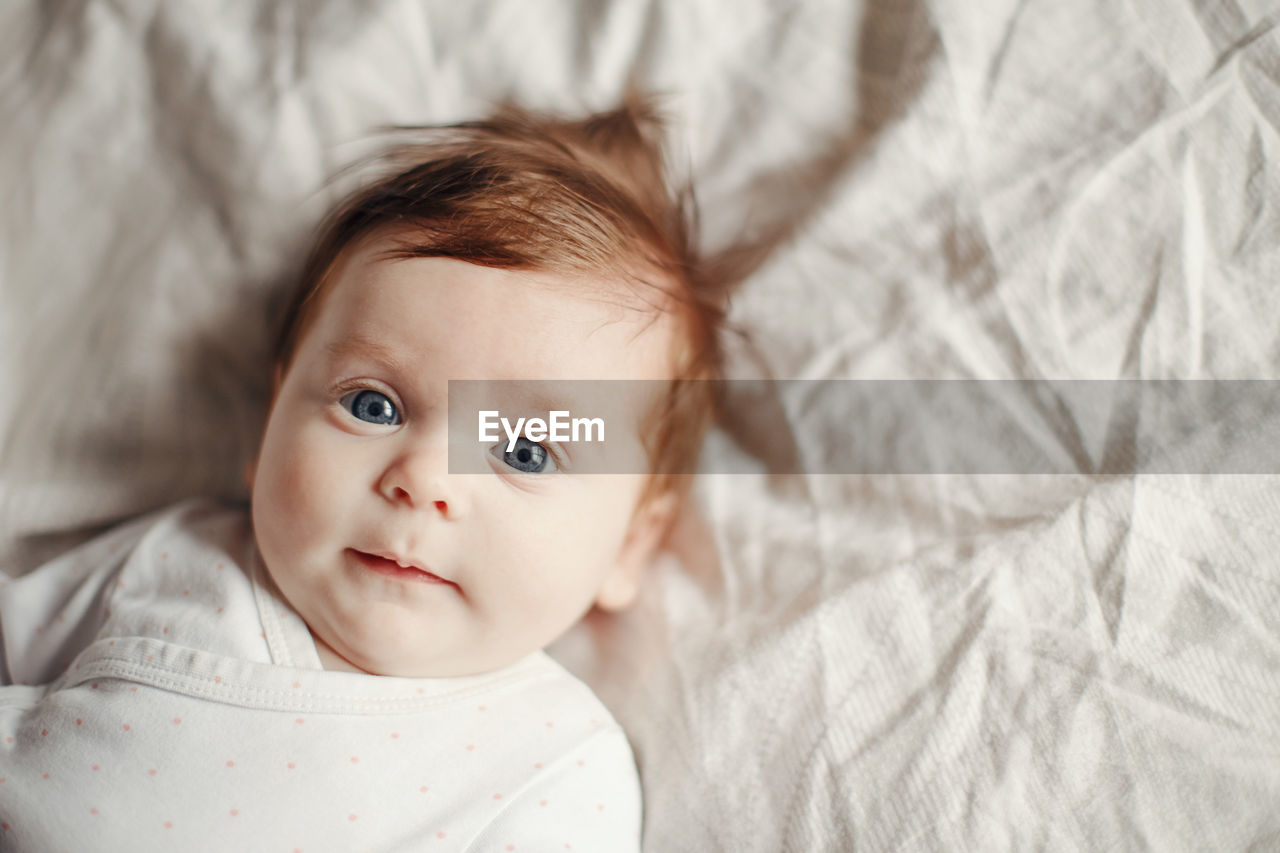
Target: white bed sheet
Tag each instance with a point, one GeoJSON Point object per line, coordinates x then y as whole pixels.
{"type": "Point", "coordinates": [1000, 190]}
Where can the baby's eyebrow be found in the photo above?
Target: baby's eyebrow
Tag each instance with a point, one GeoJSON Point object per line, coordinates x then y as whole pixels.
{"type": "Point", "coordinates": [361, 346]}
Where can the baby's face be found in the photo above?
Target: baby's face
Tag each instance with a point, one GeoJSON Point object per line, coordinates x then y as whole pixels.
{"type": "Point", "coordinates": [353, 473]}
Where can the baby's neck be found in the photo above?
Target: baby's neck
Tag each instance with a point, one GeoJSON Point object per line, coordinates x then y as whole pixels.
{"type": "Point", "coordinates": [329, 659]}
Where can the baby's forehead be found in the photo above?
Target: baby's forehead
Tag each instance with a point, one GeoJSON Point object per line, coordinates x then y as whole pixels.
{"type": "Point", "coordinates": [512, 323]}
{"type": "Point", "coordinates": [635, 308]}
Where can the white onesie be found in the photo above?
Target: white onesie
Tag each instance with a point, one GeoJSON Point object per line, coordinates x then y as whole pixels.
{"type": "Point", "coordinates": [161, 694]}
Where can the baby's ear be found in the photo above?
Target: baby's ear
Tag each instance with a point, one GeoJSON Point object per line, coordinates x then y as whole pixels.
{"type": "Point", "coordinates": [648, 528]}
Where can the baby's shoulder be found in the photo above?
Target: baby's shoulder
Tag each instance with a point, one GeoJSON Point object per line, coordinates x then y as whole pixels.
{"type": "Point", "coordinates": [567, 715]}
{"type": "Point", "coordinates": [544, 684]}
{"type": "Point", "coordinates": [51, 613]}
{"type": "Point", "coordinates": [189, 518]}
{"type": "Point", "coordinates": [195, 530]}
{"type": "Point", "coordinates": [574, 755]}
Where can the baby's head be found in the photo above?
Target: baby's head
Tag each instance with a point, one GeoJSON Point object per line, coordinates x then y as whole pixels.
{"type": "Point", "coordinates": [524, 247]}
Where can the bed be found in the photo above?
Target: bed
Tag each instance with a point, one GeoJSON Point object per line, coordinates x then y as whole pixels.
{"type": "Point", "coordinates": [1035, 190]}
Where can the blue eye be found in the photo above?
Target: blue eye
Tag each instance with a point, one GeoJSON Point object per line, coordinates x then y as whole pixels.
{"type": "Point", "coordinates": [527, 457]}
{"type": "Point", "coordinates": [371, 407]}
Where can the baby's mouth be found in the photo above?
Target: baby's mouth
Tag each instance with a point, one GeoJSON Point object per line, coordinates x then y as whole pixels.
{"type": "Point", "coordinates": [393, 568]}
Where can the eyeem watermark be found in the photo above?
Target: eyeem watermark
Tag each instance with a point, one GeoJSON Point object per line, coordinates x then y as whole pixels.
{"type": "Point", "coordinates": [559, 426]}
{"type": "Point", "coordinates": [1116, 427]}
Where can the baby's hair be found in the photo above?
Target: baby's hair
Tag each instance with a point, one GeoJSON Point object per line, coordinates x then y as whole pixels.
{"type": "Point", "coordinates": [529, 190]}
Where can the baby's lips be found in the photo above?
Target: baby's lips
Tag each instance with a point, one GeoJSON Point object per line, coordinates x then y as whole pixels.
{"type": "Point", "coordinates": [401, 562]}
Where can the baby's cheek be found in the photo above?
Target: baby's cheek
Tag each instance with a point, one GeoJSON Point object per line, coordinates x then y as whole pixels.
{"type": "Point", "coordinates": [315, 472]}
{"type": "Point", "coordinates": [609, 503]}
{"type": "Point", "coordinates": [299, 484]}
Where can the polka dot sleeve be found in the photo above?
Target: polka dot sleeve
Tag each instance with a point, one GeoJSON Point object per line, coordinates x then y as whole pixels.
{"type": "Point", "coordinates": [50, 614]}
{"type": "Point", "coordinates": [589, 800]}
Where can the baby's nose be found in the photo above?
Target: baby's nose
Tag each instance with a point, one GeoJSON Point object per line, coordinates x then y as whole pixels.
{"type": "Point", "coordinates": [420, 479]}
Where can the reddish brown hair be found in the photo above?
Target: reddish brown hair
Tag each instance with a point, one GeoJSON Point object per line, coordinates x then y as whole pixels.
{"type": "Point", "coordinates": [525, 190]}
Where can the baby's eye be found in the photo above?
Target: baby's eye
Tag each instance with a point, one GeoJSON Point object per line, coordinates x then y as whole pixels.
{"type": "Point", "coordinates": [371, 406]}
{"type": "Point", "coordinates": [527, 457]}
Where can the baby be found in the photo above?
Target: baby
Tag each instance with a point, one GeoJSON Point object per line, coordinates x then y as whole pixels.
{"type": "Point", "coordinates": [356, 662]}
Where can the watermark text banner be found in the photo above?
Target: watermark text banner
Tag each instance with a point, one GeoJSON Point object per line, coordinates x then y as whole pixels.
{"type": "Point", "coordinates": [1098, 427]}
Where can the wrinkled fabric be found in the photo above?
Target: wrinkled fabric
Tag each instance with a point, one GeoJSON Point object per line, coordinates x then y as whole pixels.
{"type": "Point", "coordinates": [981, 191]}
